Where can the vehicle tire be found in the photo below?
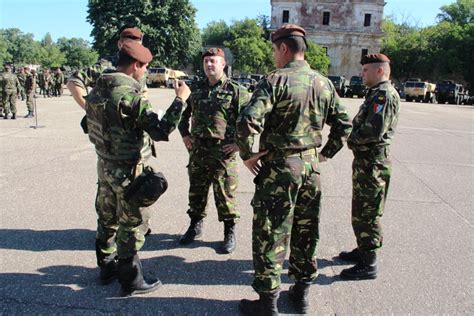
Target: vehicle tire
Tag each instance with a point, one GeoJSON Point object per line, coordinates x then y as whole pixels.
{"type": "Point", "coordinates": [408, 99]}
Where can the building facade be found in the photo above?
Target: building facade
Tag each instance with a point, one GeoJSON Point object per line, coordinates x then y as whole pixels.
{"type": "Point", "coordinates": [346, 29]}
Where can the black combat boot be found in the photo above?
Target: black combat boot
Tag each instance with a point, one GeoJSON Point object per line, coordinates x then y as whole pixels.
{"type": "Point", "coordinates": [194, 231]}
{"type": "Point", "coordinates": [14, 116]}
{"type": "Point", "coordinates": [299, 296]}
{"type": "Point", "coordinates": [366, 269]}
{"type": "Point", "coordinates": [230, 242]}
{"type": "Point", "coordinates": [107, 264]}
{"type": "Point", "coordinates": [131, 277]}
{"type": "Point", "coordinates": [30, 114]}
{"type": "Point", "coordinates": [267, 305]}
{"type": "Point", "coordinates": [5, 116]}
{"type": "Point", "coordinates": [350, 256]}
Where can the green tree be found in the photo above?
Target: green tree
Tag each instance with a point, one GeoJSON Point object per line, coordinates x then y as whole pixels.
{"type": "Point", "coordinates": [169, 26]}
{"type": "Point", "coordinates": [252, 52]}
{"type": "Point", "coordinates": [460, 12]}
{"type": "Point", "coordinates": [215, 33]}
{"type": "Point", "coordinates": [50, 54]}
{"type": "Point", "coordinates": [317, 58]}
{"type": "Point", "coordinates": [77, 52]}
{"type": "Point", "coordinates": [21, 48]}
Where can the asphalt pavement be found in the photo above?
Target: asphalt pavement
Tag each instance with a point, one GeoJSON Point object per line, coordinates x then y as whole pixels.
{"type": "Point", "coordinates": [48, 222]}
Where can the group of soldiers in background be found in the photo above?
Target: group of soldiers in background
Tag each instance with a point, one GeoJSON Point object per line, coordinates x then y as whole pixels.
{"type": "Point", "coordinates": [22, 84]}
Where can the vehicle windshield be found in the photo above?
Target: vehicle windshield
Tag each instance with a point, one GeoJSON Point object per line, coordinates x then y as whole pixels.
{"type": "Point", "coordinates": [420, 85]}
{"type": "Point", "coordinates": [409, 84]}
{"type": "Point", "coordinates": [161, 70]}
{"type": "Point", "coordinates": [356, 80]}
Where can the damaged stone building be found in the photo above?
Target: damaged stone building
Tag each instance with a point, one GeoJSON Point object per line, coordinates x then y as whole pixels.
{"type": "Point", "coordinates": [346, 29]}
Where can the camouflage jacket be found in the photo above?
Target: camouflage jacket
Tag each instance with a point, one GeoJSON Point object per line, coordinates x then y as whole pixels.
{"type": "Point", "coordinates": [120, 121]}
{"type": "Point", "coordinates": [290, 107]}
{"type": "Point", "coordinates": [30, 82]}
{"type": "Point", "coordinates": [214, 110]}
{"type": "Point", "coordinates": [10, 82]}
{"type": "Point", "coordinates": [22, 79]}
{"type": "Point", "coordinates": [88, 77]}
{"type": "Point", "coordinates": [375, 123]}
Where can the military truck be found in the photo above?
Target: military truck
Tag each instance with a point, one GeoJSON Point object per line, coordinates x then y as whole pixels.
{"type": "Point", "coordinates": [341, 85]}
{"type": "Point", "coordinates": [448, 91]}
{"type": "Point", "coordinates": [419, 91]}
{"type": "Point", "coordinates": [158, 77]}
{"type": "Point", "coordinates": [356, 87]}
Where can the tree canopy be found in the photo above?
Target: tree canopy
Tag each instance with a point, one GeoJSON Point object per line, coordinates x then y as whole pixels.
{"type": "Point", "coordinates": [169, 26]}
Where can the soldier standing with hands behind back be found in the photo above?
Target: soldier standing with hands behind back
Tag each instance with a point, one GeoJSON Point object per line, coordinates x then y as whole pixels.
{"type": "Point", "coordinates": [289, 109]}
{"type": "Point", "coordinates": [374, 127]}
{"type": "Point", "coordinates": [213, 107]}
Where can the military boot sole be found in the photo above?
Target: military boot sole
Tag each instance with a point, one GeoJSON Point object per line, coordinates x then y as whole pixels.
{"type": "Point", "coordinates": [107, 280]}
{"type": "Point", "coordinates": [187, 241]}
{"type": "Point", "coordinates": [353, 277]}
{"type": "Point", "coordinates": [152, 287]}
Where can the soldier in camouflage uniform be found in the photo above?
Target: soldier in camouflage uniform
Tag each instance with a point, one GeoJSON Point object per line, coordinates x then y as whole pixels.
{"type": "Point", "coordinates": [84, 78]}
{"type": "Point", "coordinates": [30, 87]}
{"type": "Point", "coordinates": [213, 107]}
{"type": "Point", "coordinates": [47, 83]}
{"type": "Point", "coordinates": [120, 122]}
{"type": "Point", "coordinates": [80, 80]}
{"type": "Point", "coordinates": [21, 75]}
{"type": "Point", "coordinates": [289, 109]}
{"type": "Point", "coordinates": [374, 127]}
{"type": "Point", "coordinates": [58, 83]}
{"type": "Point", "coordinates": [11, 89]}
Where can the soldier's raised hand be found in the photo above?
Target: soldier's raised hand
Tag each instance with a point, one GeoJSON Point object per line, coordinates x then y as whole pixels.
{"type": "Point", "coordinates": [181, 89]}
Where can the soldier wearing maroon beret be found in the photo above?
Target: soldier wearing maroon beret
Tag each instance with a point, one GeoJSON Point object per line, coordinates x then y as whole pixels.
{"type": "Point", "coordinates": [373, 130]}
{"type": "Point", "coordinates": [287, 199]}
{"type": "Point", "coordinates": [122, 126]}
{"type": "Point", "coordinates": [87, 77]}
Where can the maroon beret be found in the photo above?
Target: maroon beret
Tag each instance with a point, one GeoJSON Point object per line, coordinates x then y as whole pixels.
{"type": "Point", "coordinates": [288, 30]}
{"type": "Point", "coordinates": [137, 51]}
{"type": "Point", "coordinates": [132, 33]}
{"type": "Point", "coordinates": [374, 58]}
{"type": "Point", "coordinates": [213, 51]}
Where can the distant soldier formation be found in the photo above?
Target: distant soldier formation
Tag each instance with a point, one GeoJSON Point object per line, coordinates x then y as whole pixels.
{"type": "Point", "coordinates": [22, 84]}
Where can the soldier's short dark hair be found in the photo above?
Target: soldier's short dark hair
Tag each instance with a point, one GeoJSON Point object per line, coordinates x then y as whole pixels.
{"type": "Point", "coordinates": [125, 60]}
{"type": "Point", "coordinates": [296, 44]}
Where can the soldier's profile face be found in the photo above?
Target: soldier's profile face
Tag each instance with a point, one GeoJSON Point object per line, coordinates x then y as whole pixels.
{"type": "Point", "coordinates": [139, 71]}
{"type": "Point", "coordinates": [213, 66]}
{"type": "Point", "coordinates": [369, 74]}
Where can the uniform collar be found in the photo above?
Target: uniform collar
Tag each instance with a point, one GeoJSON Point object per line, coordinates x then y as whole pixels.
{"type": "Point", "coordinates": [219, 83]}
{"type": "Point", "coordinates": [296, 63]}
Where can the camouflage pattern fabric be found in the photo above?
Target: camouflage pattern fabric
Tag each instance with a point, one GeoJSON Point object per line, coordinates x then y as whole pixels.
{"type": "Point", "coordinates": [30, 87]}
{"type": "Point", "coordinates": [213, 113]}
{"type": "Point", "coordinates": [120, 124]}
{"type": "Point", "coordinates": [22, 80]}
{"type": "Point", "coordinates": [374, 127]}
{"type": "Point", "coordinates": [11, 88]}
{"type": "Point", "coordinates": [58, 84]}
{"type": "Point", "coordinates": [1, 93]}
{"type": "Point", "coordinates": [88, 77]}
{"type": "Point", "coordinates": [289, 108]}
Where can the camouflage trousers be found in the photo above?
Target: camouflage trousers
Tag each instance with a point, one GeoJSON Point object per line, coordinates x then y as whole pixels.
{"type": "Point", "coordinates": [29, 100]}
{"type": "Point", "coordinates": [209, 165]}
{"type": "Point", "coordinates": [121, 227]}
{"type": "Point", "coordinates": [286, 208]}
{"type": "Point", "coordinates": [370, 182]}
{"type": "Point", "coordinates": [9, 102]}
